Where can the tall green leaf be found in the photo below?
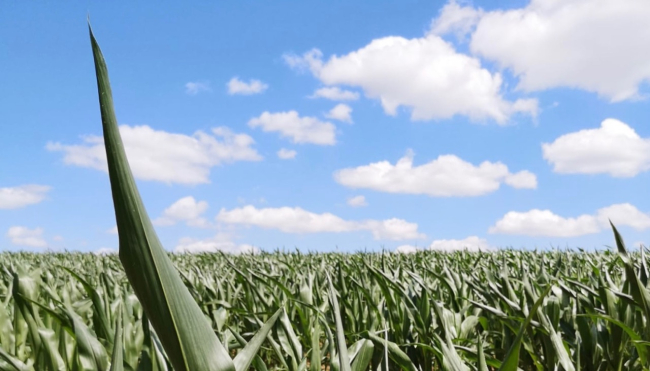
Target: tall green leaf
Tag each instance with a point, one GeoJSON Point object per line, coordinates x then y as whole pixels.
{"type": "Point", "coordinates": [512, 358]}
{"type": "Point", "coordinates": [344, 359]}
{"type": "Point", "coordinates": [92, 354]}
{"type": "Point", "coordinates": [245, 357]}
{"type": "Point", "coordinates": [117, 359]}
{"type": "Point", "coordinates": [185, 333]}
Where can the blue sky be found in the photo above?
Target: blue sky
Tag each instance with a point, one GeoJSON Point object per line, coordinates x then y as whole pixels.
{"type": "Point", "coordinates": [331, 125]}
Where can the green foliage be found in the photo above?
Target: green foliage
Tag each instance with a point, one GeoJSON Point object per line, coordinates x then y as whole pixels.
{"type": "Point", "coordinates": [585, 304]}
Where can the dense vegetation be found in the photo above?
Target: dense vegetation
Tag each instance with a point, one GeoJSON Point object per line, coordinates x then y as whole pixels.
{"type": "Point", "coordinates": [59, 311]}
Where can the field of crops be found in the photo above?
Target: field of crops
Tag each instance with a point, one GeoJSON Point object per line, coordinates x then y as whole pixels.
{"type": "Point", "coordinates": [59, 311]}
{"type": "Point", "coordinates": [148, 310]}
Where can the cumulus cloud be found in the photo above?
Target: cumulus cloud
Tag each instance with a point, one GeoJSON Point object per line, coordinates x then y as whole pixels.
{"type": "Point", "coordinates": [538, 222]}
{"type": "Point", "coordinates": [298, 220]}
{"type": "Point", "coordinates": [522, 179]}
{"type": "Point", "coordinates": [357, 201]}
{"type": "Point", "coordinates": [220, 242]}
{"type": "Point", "coordinates": [340, 112]}
{"type": "Point", "coordinates": [471, 243]}
{"type": "Point", "coordinates": [391, 229]}
{"type": "Point", "coordinates": [614, 149]}
{"type": "Point", "coordinates": [456, 19]}
{"type": "Point", "coordinates": [623, 215]}
{"type": "Point", "coordinates": [545, 223]}
{"type": "Point", "coordinates": [425, 75]}
{"type": "Point", "coordinates": [237, 86]}
{"type": "Point", "coordinates": [286, 154]}
{"type": "Point", "coordinates": [335, 93]}
{"type": "Point", "coordinates": [186, 209]}
{"type": "Point", "coordinates": [584, 44]}
{"type": "Point", "coordinates": [194, 88]}
{"type": "Point", "coordinates": [445, 176]}
{"type": "Point", "coordinates": [23, 236]}
{"type": "Point", "coordinates": [166, 157]}
{"type": "Point", "coordinates": [21, 196]}
{"type": "Point", "coordinates": [299, 129]}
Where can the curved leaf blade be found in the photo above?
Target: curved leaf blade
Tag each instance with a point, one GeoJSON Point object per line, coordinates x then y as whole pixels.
{"type": "Point", "coordinates": [185, 333]}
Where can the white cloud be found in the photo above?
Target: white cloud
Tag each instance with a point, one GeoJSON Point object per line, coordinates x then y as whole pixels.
{"type": "Point", "coordinates": [286, 154]}
{"type": "Point", "coordinates": [105, 251]}
{"type": "Point", "coordinates": [298, 220]}
{"type": "Point", "coordinates": [623, 215]}
{"type": "Point", "coordinates": [300, 129]}
{"type": "Point", "coordinates": [309, 61]}
{"type": "Point", "coordinates": [545, 223]}
{"type": "Point", "coordinates": [237, 86]}
{"type": "Point", "coordinates": [23, 236]}
{"type": "Point", "coordinates": [391, 229]}
{"type": "Point", "coordinates": [194, 88]}
{"type": "Point", "coordinates": [58, 238]}
{"type": "Point", "coordinates": [112, 230]}
{"type": "Point", "coordinates": [407, 249]}
{"type": "Point", "coordinates": [340, 112]}
{"type": "Point", "coordinates": [357, 201]}
{"type": "Point", "coordinates": [456, 19]}
{"type": "Point", "coordinates": [21, 196]}
{"type": "Point", "coordinates": [523, 179]}
{"type": "Point", "coordinates": [185, 209]}
{"type": "Point", "coordinates": [471, 243]}
{"type": "Point", "coordinates": [614, 149]}
{"type": "Point", "coordinates": [285, 219]}
{"type": "Point", "coordinates": [335, 93]}
{"type": "Point", "coordinates": [166, 157]}
{"type": "Point", "coordinates": [220, 242]}
{"type": "Point", "coordinates": [446, 176]}
{"type": "Point", "coordinates": [585, 44]}
{"type": "Point", "coordinates": [424, 74]}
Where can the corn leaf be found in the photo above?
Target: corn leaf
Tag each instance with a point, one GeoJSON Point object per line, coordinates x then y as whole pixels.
{"type": "Point", "coordinates": [185, 333]}
{"type": "Point", "coordinates": [117, 359]}
{"type": "Point", "coordinates": [512, 358]}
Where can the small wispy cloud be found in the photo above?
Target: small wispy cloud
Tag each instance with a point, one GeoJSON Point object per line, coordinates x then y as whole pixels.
{"type": "Point", "coordinates": [23, 236]}
{"type": "Point", "coordinates": [186, 209]}
{"type": "Point", "coordinates": [196, 87]}
{"type": "Point", "coordinates": [341, 112]}
{"type": "Point", "coordinates": [335, 93]}
{"type": "Point", "coordinates": [21, 196]}
{"type": "Point", "coordinates": [357, 201]}
{"type": "Point", "coordinates": [287, 154]}
{"type": "Point", "coordinates": [239, 87]}
{"type": "Point", "coordinates": [301, 129]}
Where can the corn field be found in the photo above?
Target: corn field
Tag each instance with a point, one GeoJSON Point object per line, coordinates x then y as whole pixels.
{"type": "Point", "coordinates": [458, 311]}
{"type": "Point", "coordinates": [148, 310]}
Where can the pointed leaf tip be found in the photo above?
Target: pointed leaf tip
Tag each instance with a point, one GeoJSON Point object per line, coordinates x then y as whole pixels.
{"type": "Point", "coordinates": [185, 333]}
